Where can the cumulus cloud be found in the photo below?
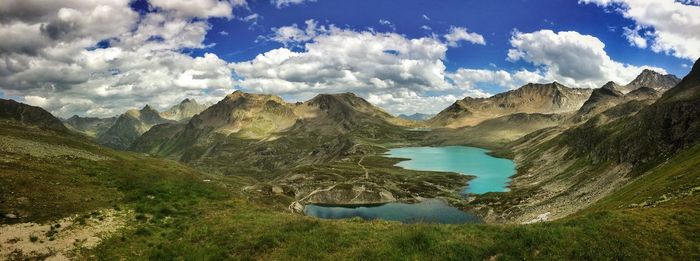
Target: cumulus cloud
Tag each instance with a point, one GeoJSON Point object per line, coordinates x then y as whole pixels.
{"type": "Point", "coordinates": [571, 58]}
{"type": "Point", "coordinates": [675, 24]}
{"type": "Point", "coordinates": [200, 8]}
{"type": "Point", "coordinates": [459, 34]}
{"type": "Point", "coordinates": [403, 74]}
{"type": "Point", "coordinates": [99, 58]}
{"type": "Point", "coordinates": [634, 38]}
{"type": "Point", "coordinates": [285, 3]}
{"type": "Point", "coordinates": [294, 35]}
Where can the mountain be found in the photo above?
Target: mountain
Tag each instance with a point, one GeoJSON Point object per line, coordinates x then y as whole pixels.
{"type": "Point", "coordinates": [89, 126]}
{"type": "Point", "coordinates": [530, 98]}
{"type": "Point", "coordinates": [266, 133]}
{"type": "Point", "coordinates": [129, 126]}
{"type": "Point", "coordinates": [184, 110]}
{"type": "Point", "coordinates": [416, 116]}
{"type": "Point", "coordinates": [29, 115]}
{"type": "Point", "coordinates": [564, 171]}
{"type": "Point", "coordinates": [651, 79]}
{"type": "Point", "coordinates": [609, 96]}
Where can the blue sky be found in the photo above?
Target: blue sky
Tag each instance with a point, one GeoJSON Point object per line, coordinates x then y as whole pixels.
{"type": "Point", "coordinates": [101, 57]}
{"type": "Point", "coordinates": [496, 20]}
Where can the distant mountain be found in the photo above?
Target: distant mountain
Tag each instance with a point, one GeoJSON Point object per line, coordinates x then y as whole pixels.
{"type": "Point", "coordinates": [651, 79]}
{"type": "Point", "coordinates": [416, 116]}
{"type": "Point", "coordinates": [530, 98]}
{"type": "Point", "coordinates": [129, 126]}
{"type": "Point", "coordinates": [184, 110]}
{"type": "Point", "coordinates": [29, 115]}
{"type": "Point", "coordinates": [90, 126]}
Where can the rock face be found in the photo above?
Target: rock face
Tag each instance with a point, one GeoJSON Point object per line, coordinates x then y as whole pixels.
{"type": "Point", "coordinates": [185, 110]}
{"type": "Point", "coordinates": [29, 115]}
{"type": "Point", "coordinates": [651, 79]}
{"type": "Point", "coordinates": [90, 126]}
{"type": "Point", "coordinates": [530, 98]}
{"type": "Point", "coordinates": [129, 126]}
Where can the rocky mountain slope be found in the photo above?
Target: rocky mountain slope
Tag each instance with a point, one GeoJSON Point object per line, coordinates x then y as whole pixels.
{"type": "Point", "coordinates": [561, 172]}
{"type": "Point", "coordinates": [609, 96]}
{"type": "Point", "coordinates": [184, 110]}
{"type": "Point", "coordinates": [29, 115]}
{"type": "Point", "coordinates": [530, 98]}
{"type": "Point", "coordinates": [129, 126]}
{"type": "Point", "coordinates": [651, 79]}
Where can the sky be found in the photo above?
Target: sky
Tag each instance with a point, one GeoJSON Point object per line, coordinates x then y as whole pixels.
{"type": "Point", "coordinates": [99, 58]}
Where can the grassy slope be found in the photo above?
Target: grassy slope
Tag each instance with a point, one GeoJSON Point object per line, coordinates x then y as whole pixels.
{"type": "Point", "coordinates": [192, 219]}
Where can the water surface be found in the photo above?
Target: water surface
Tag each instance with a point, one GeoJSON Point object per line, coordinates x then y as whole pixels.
{"type": "Point", "coordinates": [427, 211]}
{"type": "Point", "coordinates": [492, 174]}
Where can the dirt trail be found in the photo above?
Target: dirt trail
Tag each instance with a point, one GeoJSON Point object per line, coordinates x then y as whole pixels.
{"type": "Point", "coordinates": [61, 239]}
{"type": "Point", "coordinates": [295, 206]}
{"type": "Point", "coordinates": [363, 167]}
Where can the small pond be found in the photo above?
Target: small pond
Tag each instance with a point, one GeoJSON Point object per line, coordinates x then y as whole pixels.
{"type": "Point", "coordinates": [427, 211]}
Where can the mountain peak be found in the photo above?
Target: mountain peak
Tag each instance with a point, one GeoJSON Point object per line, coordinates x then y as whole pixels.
{"type": "Point", "coordinates": [147, 108]}
{"type": "Point", "coordinates": [611, 86]}
{"type": "Point", "coordinates": [652, 79]}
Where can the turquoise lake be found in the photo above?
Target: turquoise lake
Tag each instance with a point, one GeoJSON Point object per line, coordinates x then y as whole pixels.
{"type": "Point", "coordinates": [427, 211]}
{"type": "Point", "coordinates": [492, 174]}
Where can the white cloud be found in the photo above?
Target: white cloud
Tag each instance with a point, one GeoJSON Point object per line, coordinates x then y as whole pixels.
{"type": "Point", "coordinates": [571, 58]}
{"type": "Point", "coordinates": [387, 23]}
{"type": "Point", "coordinates": [199, 8]}
{"type": "Point", "coordinates": [675, 24]}
{"type": "Point", "coordinates": [458, 34]}
{"type": "Point", "coordinates": [285, 3]}
{"type": "Point", "coordinates": [293, 35]}
{"type": "Point", "coordinates": [50, 56]}
{"type": "Point", "coordinates": [426, 17]}
{"type": "Point", "coordinates": [634, 38]}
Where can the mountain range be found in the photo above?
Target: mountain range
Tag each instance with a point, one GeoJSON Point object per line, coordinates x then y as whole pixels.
{"type": "Point", "coordinates": [601, 158]}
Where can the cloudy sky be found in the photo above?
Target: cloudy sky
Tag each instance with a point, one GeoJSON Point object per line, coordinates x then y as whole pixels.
{"type": "Point", "coordinates": [101, 57]}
